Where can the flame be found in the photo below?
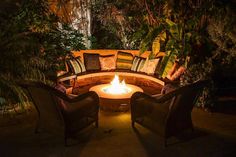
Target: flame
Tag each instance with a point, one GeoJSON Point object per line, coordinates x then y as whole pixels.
{"type": "Point", "coordinates": [117, 87]}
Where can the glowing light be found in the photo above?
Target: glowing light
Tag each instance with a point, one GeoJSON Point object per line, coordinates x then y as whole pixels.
{"type": "Point", "coordinates": [116, 87]}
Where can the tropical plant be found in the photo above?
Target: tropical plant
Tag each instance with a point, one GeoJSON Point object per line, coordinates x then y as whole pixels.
{"type": "Point", "coordinates": [77, 14]}
{"type": "Point", "coordinates": [218, 65]}
{"type": "Point", "coordinates": [201, 71]}
{"type": "Point", "coordinates": [113, 23]}
{"type": "Point", "coordinates": [31, 43]}
{"type": "Point", "coordinates": [201, 29]}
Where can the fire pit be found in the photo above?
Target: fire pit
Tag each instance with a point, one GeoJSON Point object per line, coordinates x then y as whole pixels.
{"type": "Point", "coordinates": [116, 95]}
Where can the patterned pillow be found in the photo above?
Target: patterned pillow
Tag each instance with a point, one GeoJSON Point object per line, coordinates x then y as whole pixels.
{"type": "Point", "coordinates": [107, 62]}
{"type": "Point", "coordinates": [138, 63]}
{"type": "Point", "coordinates": [151, 66]}
{"type": "Point", "coordinates": [124, 60]}
{"type": "Point", "coordinates": [76, 66]}
{"type": "Point", "coordinates": [177, 73]}
{"type": "Point", "coordinates": [91, 61]}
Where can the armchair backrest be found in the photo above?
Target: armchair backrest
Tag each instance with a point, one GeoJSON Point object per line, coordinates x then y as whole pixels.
{"type": "Point", "coordinates": [179, 115]}
{"type": "Point", "coordinates": [43, 97]}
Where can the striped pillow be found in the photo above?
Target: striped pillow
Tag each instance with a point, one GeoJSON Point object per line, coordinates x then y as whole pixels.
{"type": "Point", "coordinates": [138, 64]}
{"type": "Point", "coordinates": [76, 66]}
{"type": "Point", "coordinates": [124, 60]}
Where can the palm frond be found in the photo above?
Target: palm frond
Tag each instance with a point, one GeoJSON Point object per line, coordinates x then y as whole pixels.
{"type": "Point", "coordinates": [150, 37]}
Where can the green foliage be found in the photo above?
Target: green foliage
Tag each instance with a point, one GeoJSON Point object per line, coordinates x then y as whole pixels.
{"type": "Point", "coordinates": [167, 63]}
{"type": "Point", "coordinates": [150, 37]}
{"type": "Point", "coordinates": [31, 43]}
{"type": "Point", "coordinates": [182, 21]}
{"type": "Point", "coordinates": [220, 63]}
{"type": "Point", "coordinates": [114, 23]}
{"type": "Point", "coordinates": [201, 71]}
{"type": "Point", "coordinates": [11, 93]}
{"type": "Point", "coordinates": [179, 40]}
{"type": "Point", "coordinates": [203, 30]}
{"type": "Point", "coordinates": [71, 39]}
{"type": "Point", "coordinates": [94, 42]}
{"type": "Point", "coordinates": [223, 34]}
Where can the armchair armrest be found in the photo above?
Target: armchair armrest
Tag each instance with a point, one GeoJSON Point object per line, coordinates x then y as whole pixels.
{"type": "Point", "coordinates": [72, 95]}
{"type": "Point", "coordinates": [66, 76]}
{"type": "Point", "coordinates": [143, 104]}
{"type": "Point", "coordinates": [61, 95]}
{"type": "Point", "coordinates": [83, 103]}
{"type": "Point", "coordinates": [156, 95]}
{"type": "Point", "coordinates": [74, 98]}
{"type": "Point", "coordinates": [61, 72]}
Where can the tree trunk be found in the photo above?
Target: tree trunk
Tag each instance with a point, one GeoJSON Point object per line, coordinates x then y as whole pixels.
{"type": "Point", "coordinates": [77, 13]}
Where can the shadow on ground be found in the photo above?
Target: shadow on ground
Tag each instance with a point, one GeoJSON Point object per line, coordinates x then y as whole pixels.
{"type": "Point", "coordinates": [214, 136]}
{"type": "Point", "coordinates": [225, 106]}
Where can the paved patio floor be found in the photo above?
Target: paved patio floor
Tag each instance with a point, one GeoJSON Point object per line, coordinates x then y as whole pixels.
{"type": "Point", "coordinates": [214, 136]}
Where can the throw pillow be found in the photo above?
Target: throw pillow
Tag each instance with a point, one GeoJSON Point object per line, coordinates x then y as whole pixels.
{"type": "Point", "coordinates": [75, 65]}
{"type": "Point", "coordinates": [138, 63]}
{"type": "Point", "coordinates": [124, 60]}
{"type": "Point", "coordinates": [81, 64]}
{"type": "Point", "coordinates": [91, 61]}
{"type": "Point", "coordinates": [176, 75]}
{"type": "Point", "coordinates": [107, 62]}
{"type": "Point", "coordinates": [151, 66]}
{"type": "Point", "coordinates": [144, 67]}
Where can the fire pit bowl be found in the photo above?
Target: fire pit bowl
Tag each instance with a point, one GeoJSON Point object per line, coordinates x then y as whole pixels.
{"type": "Point", "coordinates": [116, 95]}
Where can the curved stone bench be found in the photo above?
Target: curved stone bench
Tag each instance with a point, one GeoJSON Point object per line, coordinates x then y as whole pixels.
{"type": "Point", "coordinates": [84, 82]}
{"type": "Point", "coordinates": [101, 77]}
{"type": "Point", "coordinates": [124, 74]}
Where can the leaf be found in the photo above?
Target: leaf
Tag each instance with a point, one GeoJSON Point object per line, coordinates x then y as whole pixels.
{"type": "Point", "coordinates": [167, 63]}
{"type": "Point", "coordinates": [170, 45]}
{"type": "Point", "coordinates": [150, 37]}
{"type": "Point", "coordinates": [187, 37]}
{"type": "Point", "coordinates": [187, 49]}
{"type": "Point", "coordinates": [156, 45]}
{"type": "Point", "coordinates": [2, 100]}
{"type": "Point", "coordinates": [170, 23]}
{"type": "Point", "coordinates": [162, 35]}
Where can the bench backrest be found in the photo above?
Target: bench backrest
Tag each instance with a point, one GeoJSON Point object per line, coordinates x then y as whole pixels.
{"type": "Point", "coordinates": [111, 52]}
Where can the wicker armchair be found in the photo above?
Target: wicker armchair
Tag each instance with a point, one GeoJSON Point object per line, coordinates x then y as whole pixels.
{"type": "Point", "coordinates": [168, 114]}
{"type": "Point", "coordinates": [79, 112]}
